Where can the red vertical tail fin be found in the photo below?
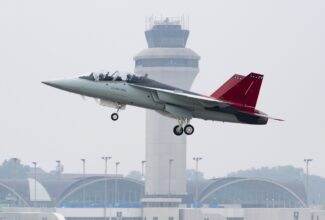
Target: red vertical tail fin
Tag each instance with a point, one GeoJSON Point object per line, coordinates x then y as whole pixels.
{"type": "Point", "coordinates": [227, 85]}
{"type": "Point", "coordinates": [245, 92]}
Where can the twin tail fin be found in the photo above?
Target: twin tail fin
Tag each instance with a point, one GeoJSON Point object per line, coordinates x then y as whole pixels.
{"type": "Point", "coordinates": [241, 90]}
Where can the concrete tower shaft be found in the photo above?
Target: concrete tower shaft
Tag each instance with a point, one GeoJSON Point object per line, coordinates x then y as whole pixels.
{"type": "Point", "coordinates": [168, 61]}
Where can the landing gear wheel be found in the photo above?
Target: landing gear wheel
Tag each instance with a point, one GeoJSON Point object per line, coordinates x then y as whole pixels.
{"type": "Point", "coordinates": [178, 130]}
{"type": "Point", "coordinates": [189, 129]}
{"type": "Point", "coordinates": [114, 116]}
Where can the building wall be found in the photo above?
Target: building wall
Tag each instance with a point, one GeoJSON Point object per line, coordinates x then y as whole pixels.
{"type": "Point", "coordinates": [30, 216]}
{"type": "Point", "coordinates": [161, 213]}
{"type": "Point", "coordinates": [257, 214]}
{"type": "Point", "coordinates": [197, 214]}
{"type": "Point", "coordinates": [164, 213]}
{"type": "Point", "coordinates": [317, 215]}
{"type": "Point", "coordinates": [99, 212]}
{"type": "Point", "coordinates": [270, 214]}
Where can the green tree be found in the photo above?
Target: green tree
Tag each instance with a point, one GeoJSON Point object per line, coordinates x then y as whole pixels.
{"type": "Point", "coordinates": [134, 174]}
{"type": "Point", "coordinates": [13, 168]}
{"type": "Point", "coordinates": [279, 173]}
{"type": "Point", "coordinates": [191, 175]}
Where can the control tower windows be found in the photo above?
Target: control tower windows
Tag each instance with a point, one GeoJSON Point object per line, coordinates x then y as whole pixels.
{"type": "Point", "coordinates": [166, 62]}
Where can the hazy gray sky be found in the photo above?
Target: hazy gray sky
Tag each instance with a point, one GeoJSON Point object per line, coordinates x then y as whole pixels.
{"type": "Point", "coordinates": [42, 40]}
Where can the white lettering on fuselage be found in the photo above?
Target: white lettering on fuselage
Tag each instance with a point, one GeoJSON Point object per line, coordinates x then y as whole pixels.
{"type": "Point", "coordinates": [118, 89]}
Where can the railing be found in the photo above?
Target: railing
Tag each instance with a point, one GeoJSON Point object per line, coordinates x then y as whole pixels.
{"type": "Point", "coordinates": [166, 20]}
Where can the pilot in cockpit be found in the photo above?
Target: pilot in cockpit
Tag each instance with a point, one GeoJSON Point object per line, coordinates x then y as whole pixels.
{"type": "Point", "coordinates": [95, 76]}
{"type": "Point", "coordinates": [108, 77]}
{"type": "Point", "coordinates": [128, 77]}
{"type": "Point", "coordinates": [101, 77]}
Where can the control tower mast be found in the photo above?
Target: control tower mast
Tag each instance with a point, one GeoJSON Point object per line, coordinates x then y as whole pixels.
{"type": "Point", "coordinates": [166, 60]}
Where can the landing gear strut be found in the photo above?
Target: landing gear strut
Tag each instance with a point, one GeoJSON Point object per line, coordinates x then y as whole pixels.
{"type": "Point", "coordinates": [188, 129]}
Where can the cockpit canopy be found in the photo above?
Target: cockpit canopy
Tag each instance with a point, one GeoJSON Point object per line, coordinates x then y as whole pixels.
{"type": "Point", "coordinates": [115, 76]}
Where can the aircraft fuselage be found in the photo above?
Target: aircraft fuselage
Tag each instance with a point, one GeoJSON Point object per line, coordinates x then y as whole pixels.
{"type": "Point", "coordinates": [121, 93]}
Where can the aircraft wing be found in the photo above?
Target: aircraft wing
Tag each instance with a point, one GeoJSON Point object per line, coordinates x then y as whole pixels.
{"type": "Point", "coordinates": [185, 101]}
{"type": "Point", "coordinates": [179, 97]}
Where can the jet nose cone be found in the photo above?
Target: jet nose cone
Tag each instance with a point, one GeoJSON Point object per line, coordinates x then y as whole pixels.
{"type": "Point", "coordinates": [49, 83]}
{"type": "Point", "coordinates": [71, 85]}
{"type": "Point", "coordinates": [60, 84]}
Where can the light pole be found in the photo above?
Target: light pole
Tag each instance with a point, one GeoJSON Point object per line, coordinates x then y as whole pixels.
{"type": "Point", "coordinates": [15, 178]}
{"type": "Point", "coordinates": [58, 167]}
{"type": "Point", "coordinates": [35, 200]}
{"type": "Point", "coordinates": [273, 201]}
{"type": "Point", "coordinates": [115, 188]}
{"type": "Point", "coordinates": [196, 159]}
{"type": "Point", "coordinates": [143, 162]}
{"type": "Point", "coordinates": [170, 176]}
{"type": "Point", "coordinates": [58, 162]}
{"type": "Point", "coordinates": [307, 161]}
{"type": "Point", "coordinates": [83, 180]}
{"type": "Point", "coordinates": [105, 185]}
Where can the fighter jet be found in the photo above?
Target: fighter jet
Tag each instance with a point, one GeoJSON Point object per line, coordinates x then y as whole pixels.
{"type": "Point", "coordinates": [234, 101]}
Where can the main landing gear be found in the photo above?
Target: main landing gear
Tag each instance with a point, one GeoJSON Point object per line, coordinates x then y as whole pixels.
{"type": "Point", "coordinates": [188, 129]}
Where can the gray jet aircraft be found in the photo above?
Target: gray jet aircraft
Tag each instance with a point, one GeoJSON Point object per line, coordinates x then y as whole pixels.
{"type": "Point", "coordinates": [234, 101]}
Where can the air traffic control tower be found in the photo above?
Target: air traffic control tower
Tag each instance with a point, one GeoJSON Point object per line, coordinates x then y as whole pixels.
{"type": "Point", "coordinates": [167, 60]}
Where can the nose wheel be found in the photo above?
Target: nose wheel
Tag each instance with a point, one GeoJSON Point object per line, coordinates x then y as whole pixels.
{"type": "Point", "coordinates": [114, 116]}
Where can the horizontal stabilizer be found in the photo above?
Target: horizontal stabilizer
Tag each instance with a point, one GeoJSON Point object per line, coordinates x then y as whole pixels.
{"type": "Point", "coordinates": [269, 117]}
{"type": "Point", "coordinates": [277, 119]}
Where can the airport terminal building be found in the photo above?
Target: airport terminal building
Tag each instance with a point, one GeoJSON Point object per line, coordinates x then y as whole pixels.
{"type": "Point", "coordinates": [78, 198]}
{"type": "Point", "coordinates": [77, 192]}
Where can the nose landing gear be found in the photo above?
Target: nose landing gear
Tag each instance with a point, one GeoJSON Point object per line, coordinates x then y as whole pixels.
{"type": "Point", "coordinates": [114, 116]}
